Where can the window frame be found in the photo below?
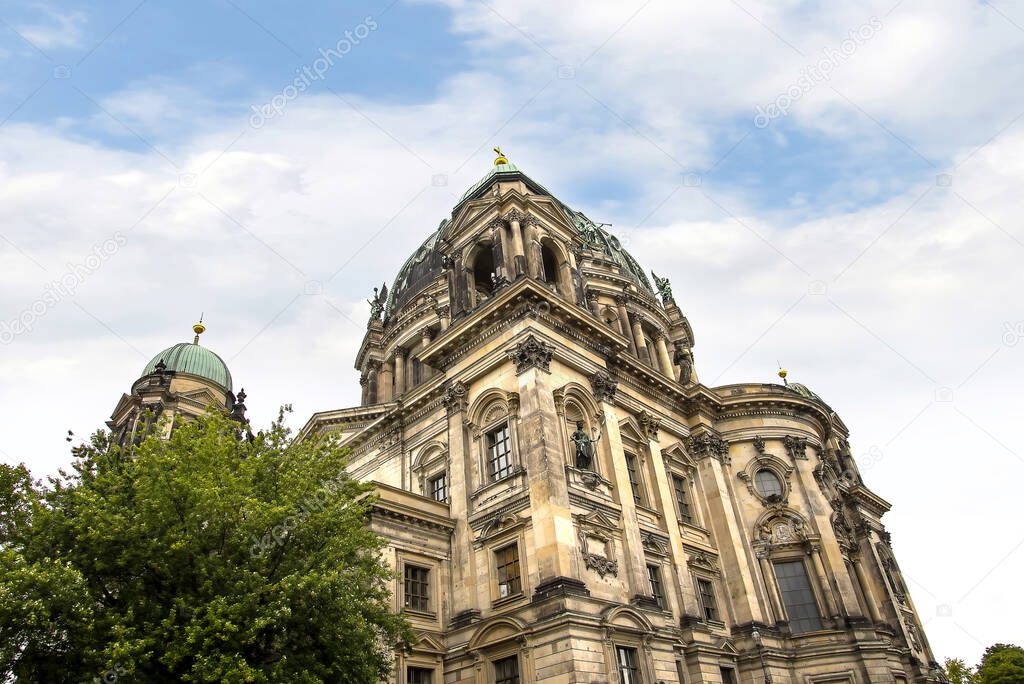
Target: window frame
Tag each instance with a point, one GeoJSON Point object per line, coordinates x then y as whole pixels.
{"type": "Point", "coordinates": [429, 671]}
{"type": "Point", "coordinates": [699, 582]}
{"type": "Point", "coordinates": [426, 596]}
{"type": "Point", "coordinates": [774, 495]}
{"type": "Point", "coordinates": [519, 591]}
{"type": "Point", "coordinates": [811, 594]}
{"type": "Point", "coordinates": [516, 677]}
{"type": "Point", "coordinates": [656, 584]}
{"type": "Point", "coordinates": [433, 490]}
{"type": "Point", "coordinates": [634, 471]}
{"type": "Point", "coordinates": [684, 507]}
{"type": "Point", "coordinates": [494, 474]}
{"type": "Point", "coordinates": [630, 672]}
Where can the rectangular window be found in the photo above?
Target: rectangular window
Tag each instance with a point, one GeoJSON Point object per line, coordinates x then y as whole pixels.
{"type": "Point", "coordinates": [507, 562]}
{"type": "Point", "coordinates": [654, 580]}
{"type": "Point", "coordinates": [419, 675]}
{"type": "Point", "coordinates": [706, 593]}
{"type": "Point", "coordinates": [682, 501]}
{"type": "Point", "coordinates": [629, 665]}
{"type": "Point", "coordinates": [506, 670]}
{"type": "Point", "coordinates": [439, 488]}
{"type": "Point", "coordinates": [634, 478]}
{"type": "Point", "coordinates": [797, 597]}
{"type": "Point", "coordinates": [728, 675]}
{"type": "Point", "coordinates": [417, 587]}
{"type": "Point", "coordinates": [499, 453]}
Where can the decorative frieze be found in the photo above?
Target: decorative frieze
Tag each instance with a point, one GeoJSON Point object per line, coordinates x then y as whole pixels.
{"type": "Point", "coordinates": [531, 353]}
{"type": "Point", "coordinates": [601, 565]}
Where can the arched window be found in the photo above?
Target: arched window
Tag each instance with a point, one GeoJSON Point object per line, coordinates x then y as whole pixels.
{"type": "Point", "coordinates": [768, 484]}
{"type": "Point", "coordinates": [550, 263]}
{"type": "Point", "coordinates": [483, 267]}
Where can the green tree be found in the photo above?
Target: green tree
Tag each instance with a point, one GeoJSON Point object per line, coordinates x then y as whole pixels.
{"type": "Point", "coordinates": [200, 558]}
{"type": "Point", "coordinates": [1001, 664]}
{"type": "Point", "coordinates": [958, 672]}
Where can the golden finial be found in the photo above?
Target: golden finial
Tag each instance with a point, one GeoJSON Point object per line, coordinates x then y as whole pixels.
{"type": "Point", "coordinates": [782, 374]}
{"type": "Point", "coordinates": [198, 329]}
{"type": "Point", "coordinates": [501, 159]}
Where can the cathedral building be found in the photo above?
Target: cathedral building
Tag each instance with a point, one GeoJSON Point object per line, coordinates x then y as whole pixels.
{"type": "Point", "coordinates": [563, 500]}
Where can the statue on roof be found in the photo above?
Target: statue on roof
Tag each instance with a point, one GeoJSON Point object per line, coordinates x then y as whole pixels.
{"type": "Point", "coordinates": [664, 289]}
{"type": "Point", "coordinates": [377, 303]}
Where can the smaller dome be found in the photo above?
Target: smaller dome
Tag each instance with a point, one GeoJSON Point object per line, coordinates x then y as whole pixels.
{"type": "Point", "coordinates": [194, 359]}
{"type": "Point", "coordinates": [804, 391]}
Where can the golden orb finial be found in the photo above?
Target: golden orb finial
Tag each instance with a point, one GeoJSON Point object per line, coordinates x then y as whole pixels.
{"type": "Point", "coordinates": [501, 158]}
{"type": "Point", "coordinates": [782, 374]}
{"type": "Point", "coordinates": [198, 329]}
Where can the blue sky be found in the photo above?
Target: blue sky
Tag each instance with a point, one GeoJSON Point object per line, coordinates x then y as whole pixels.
{"type": "Point", "coordinates": [870, 238]}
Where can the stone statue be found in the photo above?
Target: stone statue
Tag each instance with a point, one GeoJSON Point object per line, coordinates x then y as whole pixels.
{"type": "Point", "coordinates": [584, 447]}
{"type": "Point", "coordinates": [684, 359]}
{"type": "Point", "coordinates": [664, 289]}
{"type": "Point", "coordinates": [377, 303]}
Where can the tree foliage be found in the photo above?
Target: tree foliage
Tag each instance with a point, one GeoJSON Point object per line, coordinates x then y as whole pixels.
{"type": "Point", "coordinates": [1001, 664]}
{"type": "Point", "coordinates": [200, 558]}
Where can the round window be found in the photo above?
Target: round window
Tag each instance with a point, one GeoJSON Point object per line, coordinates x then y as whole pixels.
{"type": "Point", "coordinates": [768, 484]}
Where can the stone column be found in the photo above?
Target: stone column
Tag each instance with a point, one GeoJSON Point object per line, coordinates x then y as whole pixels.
{"type": "Point", "coordinates": [566, 283]}
{"type": "Point", "coordinates": [814, 551]}
{"type": "Point", "coordinates": [635, 565]}
{"type": "Point", "coordinates": [742, 589]}
{"type": "Point", "coordinates": [518, 255]}
{"type": "Point", "coordinates": [593, 303]}
{"type": "Point", "coordinates": [641, 341]}
{"type": "Point", "coordinates": [425, 339]}
{"type": "Point", "coordinates": [444, 314]}
{"type": "Point", "coordinates": [463, 565]}
{"type": "Point", "coordinates": [533, 258]}
{"type": "Point", "coordinates": [385, 385]}
{"type": "Point", "coordinates": [663, 357]}
{"type": "Point", "coordinates": [373, 386]}
{"type": "Point", "coordinates": [540, 449]}
{"type": "Point", "coordinates": [500, 250]}
{"type": "Point", "coordinates": [865, 589]}
{"type": "Point", "coordinates": [624, 326]}
{"type": "Point", "coordinates": [364, 392]}
{"type": "Point", "coordinates": [690, 605]}
{"type": "Point", "coordinates": [399, 372]}
{"type": "Point", "coordinates": [768, 572]}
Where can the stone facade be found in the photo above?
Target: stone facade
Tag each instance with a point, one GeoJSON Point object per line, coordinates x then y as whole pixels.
{"type": "Point", "coordinates": [719, 535]}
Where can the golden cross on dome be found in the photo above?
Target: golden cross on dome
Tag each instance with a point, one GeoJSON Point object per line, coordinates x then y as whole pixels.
{"type": "Point", "coordinates": [198, 329]}
{"type": "Point", "coordinates": [502, 159]}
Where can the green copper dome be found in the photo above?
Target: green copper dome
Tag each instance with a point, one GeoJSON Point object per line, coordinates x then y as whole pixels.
{"type": "Point", "coordinates": [192, 358]}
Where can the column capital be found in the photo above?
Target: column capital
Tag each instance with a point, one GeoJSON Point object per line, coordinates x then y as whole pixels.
{"type": "Point", "coordinates": [604, 386]}
{"type": "Point", "coordinates": [530, 353]}
{"type": "Point", "coordinates": [650, 425]}
{"type": "Point", "coordinates": [455, 397]}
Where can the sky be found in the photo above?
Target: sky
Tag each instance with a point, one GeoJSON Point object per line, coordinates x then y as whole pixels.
{"type": "Point", "coordinates": [830, 186]}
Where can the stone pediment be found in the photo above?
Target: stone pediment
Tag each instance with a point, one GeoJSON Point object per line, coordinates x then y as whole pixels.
{"type": "Point", "coordinates": [598, 519]}
{"type": "Point", "coordinates": [201, 396]}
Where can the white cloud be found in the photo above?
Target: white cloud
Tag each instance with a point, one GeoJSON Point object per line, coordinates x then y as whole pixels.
{"type": "Point", "coordinates": [274, 211]}
{"type": "Point", "coordinates": [52, 28]}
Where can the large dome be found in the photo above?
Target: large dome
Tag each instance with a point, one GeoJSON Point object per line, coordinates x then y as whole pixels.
{"type": "Point", "coordinates": [426, 263]}
{"type": "Point", "coordinates": [194, 359]}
